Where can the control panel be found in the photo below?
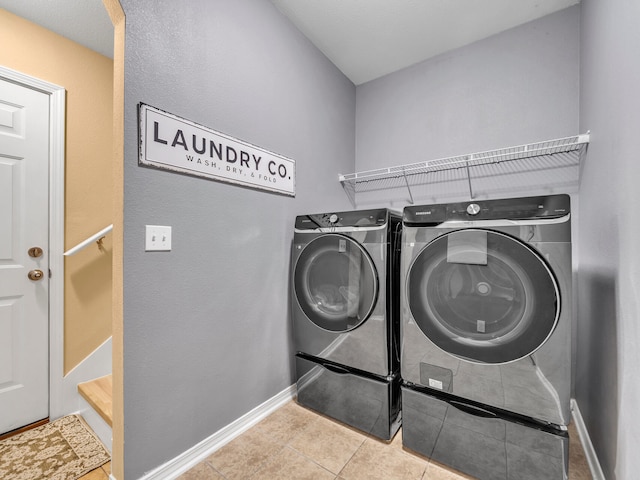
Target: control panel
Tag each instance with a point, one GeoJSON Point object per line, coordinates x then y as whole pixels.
{"type": "Point", "coordinates": [552, 206]}
{"type": "Point", "coordinates": [361, 218]}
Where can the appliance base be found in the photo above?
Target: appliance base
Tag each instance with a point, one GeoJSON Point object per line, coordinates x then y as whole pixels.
{"type": "Point", "coordinates": [364, 401]}
{"type": "Point", "coordinates": [479, 441]}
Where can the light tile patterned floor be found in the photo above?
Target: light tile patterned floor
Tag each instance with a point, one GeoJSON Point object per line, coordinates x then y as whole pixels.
{"type": "Point", "coordinates": [100, 473]}
{"type": "Point", "coordinates": [296, 443]}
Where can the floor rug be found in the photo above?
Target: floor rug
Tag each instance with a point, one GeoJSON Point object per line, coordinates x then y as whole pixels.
{"type": "Point", "coordinates": [64, 449]}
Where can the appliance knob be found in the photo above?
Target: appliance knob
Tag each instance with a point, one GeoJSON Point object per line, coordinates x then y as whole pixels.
{"type": "Point", "coordinates": [473, 209]}
{"type": "Point", "coordinates": [333, 218]}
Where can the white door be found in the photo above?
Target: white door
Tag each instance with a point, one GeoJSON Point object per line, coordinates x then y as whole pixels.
{"type": "Point", "coordinates": [24, 275]}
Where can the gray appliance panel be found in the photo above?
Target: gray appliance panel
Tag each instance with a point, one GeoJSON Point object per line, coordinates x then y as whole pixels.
{"type": "Point", "coordinates": [537, 385]}
{"type": "Point", "coordinates": [365, 347]}
{"type": "Point", "coordinates": [485, 446]}
{"type": "Point", "coordinates": [368, 404]}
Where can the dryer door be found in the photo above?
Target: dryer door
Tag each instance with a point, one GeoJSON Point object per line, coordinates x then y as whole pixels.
{"type": "Point", "coordinates": [483, 296]}
{"type": "Point", "coordinates": [336, 283]}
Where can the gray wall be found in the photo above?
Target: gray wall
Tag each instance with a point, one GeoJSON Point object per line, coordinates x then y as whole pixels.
{"type": "Point", "coordinates": [607, 383]}
{"type": "Point", "coordinates": [517, 87]}
{"type": "Point", "coordinates": [206, 326]}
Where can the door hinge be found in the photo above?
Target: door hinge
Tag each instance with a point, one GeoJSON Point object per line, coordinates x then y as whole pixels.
{"type": "Point", "coordinates": [49, 273]}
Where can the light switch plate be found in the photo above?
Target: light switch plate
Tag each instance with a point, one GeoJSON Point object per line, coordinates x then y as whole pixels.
{"type": "Point", "coordinates": [157, 238]}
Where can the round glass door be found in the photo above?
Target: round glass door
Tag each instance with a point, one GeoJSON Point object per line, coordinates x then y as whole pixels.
{"type": "Point", "coordinates": [483, 296]}
{"type": "Point", "coordinates": [336, 283]}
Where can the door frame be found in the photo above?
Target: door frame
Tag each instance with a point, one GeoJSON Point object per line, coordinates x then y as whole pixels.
{"type": "Point", "coordinates": [57, 96]}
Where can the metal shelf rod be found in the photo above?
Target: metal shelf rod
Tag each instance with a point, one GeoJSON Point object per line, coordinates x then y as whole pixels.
{"type": "Point", "coordinates": [520, 152]}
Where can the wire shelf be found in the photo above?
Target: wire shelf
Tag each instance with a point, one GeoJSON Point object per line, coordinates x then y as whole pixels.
{"type": "Point", "coordinates": [547, 155]}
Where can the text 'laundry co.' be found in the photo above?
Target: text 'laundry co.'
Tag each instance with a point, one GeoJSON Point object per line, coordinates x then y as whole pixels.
{"type": "Point", "coordinates": [172, 143]}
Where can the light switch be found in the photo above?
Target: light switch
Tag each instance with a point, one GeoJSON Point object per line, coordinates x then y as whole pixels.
{"type": "Point", "coordinates": [157, 238]}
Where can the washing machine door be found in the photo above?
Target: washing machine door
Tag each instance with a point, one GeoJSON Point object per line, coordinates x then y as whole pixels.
{"type": "Point", "coordinates": [336, 283]}
{"type": "Point", "coordinates": [483, 296]}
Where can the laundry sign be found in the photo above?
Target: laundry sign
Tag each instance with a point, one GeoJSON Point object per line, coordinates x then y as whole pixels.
{"type": "Point", "coordinates": [173, 143]}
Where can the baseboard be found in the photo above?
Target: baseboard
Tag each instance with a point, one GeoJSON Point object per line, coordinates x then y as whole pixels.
{"type": "Point", "coordinates": [189, 459]}
{"type": "Point", "coordinates": [589, 451]}
{"type": "Point", "coordinates": [97, 364]}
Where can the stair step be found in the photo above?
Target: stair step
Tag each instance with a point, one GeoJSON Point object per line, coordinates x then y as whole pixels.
{"type": "Point", "coordinates": [98, 393]}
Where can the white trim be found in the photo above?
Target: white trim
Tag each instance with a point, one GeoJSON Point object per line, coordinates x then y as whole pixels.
{"type": "Point", "coordinates": [589, 451]}
{"type": "Point", "coordinates": [57, 97]}
{"type": "Point", "coordinates": [95, 365]}
{"type": "Point", "coordinates": [56, 249]}
{"type": "Point", "coordinates": [101, 428]}
{"type": "Point", "coordinates": [196, 454]}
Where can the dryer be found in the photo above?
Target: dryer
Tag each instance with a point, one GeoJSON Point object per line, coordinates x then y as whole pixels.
{"type": "Point", "coordinates": [346, 316]}
{"type": "Point", "coordinates": [486, 335]}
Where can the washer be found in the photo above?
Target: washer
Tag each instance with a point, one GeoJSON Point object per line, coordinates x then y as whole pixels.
{"type": "Point", "coordinates": [346, 316]}
{"type": "Point", "coordinates": [486, 335]}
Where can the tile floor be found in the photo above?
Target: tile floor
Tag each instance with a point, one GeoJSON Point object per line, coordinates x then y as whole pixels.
{"type": "Point", "coordinates": [100, 473]}
{"type": "Point", "coordinates": [296, 443]}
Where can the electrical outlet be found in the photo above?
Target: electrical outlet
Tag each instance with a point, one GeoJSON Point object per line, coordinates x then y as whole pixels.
{"type": "Point", "coordinates": [157, 238]}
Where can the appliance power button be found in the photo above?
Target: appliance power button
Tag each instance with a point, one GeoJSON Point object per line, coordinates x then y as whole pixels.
{"type": "Point", "coordinates": [473, 209]}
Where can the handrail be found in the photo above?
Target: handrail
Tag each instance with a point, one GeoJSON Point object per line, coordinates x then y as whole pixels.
{"type": "Point", "coordinates": [85, 243]}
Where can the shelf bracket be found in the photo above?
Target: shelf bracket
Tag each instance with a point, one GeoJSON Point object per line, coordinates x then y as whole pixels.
{"type": "Point", "coordinates": [406, 182]}
{"type": "Point", "coordinates": [349, 188]}
{"type": "Point", "coordinates": [469, 177]}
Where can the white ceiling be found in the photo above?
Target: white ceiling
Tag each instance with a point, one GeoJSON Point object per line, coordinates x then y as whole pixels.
{"type": "Point", "coordinates": [365, 39]}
